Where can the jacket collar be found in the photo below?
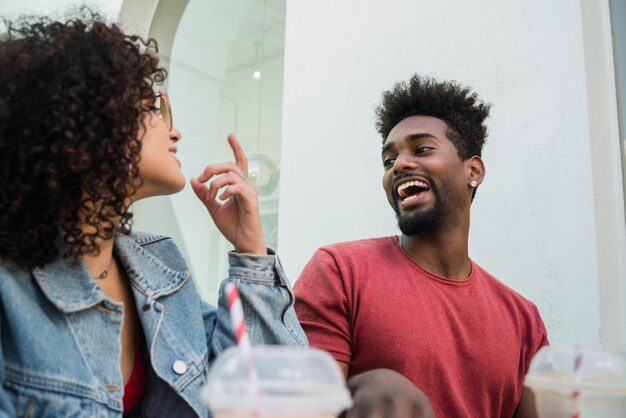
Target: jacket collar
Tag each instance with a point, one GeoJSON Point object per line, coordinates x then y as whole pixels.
{"type": "Point", "coordinates": [147, 272]}
{"type": "Point", "coordinates": [68, 284]}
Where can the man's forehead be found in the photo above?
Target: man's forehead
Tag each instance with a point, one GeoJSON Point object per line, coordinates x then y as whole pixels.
{"type": "Point", "coordinates": [413, 127]}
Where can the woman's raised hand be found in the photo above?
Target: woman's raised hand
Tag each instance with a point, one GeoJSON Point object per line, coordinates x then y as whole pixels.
{"type": "Point", "coordinates": [237, 215]}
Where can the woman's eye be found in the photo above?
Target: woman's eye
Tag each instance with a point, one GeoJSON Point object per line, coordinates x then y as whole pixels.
{"type": "Point", "coordinates": [157, 111]}
{"type": "Point", "coordinates": [421, 150]}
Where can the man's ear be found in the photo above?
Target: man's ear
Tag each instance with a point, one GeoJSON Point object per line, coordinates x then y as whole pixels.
{"type": "Point", "coordinates": [475, 170]}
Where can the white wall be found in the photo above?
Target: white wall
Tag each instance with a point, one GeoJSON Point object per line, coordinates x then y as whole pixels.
{"type": "Point", "coordinates": [533, 220]}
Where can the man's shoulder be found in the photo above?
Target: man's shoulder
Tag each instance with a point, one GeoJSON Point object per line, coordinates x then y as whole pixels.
{"type": "Point", "coordinates": [366, 245]}
{"type": "Point", "coordinates": [354, 257]}
{"type": "Point", "coordinates": [503, 290]}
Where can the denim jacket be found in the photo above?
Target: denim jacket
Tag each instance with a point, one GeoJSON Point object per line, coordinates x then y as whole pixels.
{"type": "Point", "coordinates": [61, 339]}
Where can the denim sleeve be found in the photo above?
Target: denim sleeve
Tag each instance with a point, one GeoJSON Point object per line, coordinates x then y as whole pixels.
{"type": "Point", "coordinates": [267, 301]}
{"type": "Point", "coordinates": [6, 407]}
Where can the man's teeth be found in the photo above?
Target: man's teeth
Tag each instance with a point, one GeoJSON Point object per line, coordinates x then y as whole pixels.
{"type": "Point", "coordinates": [414, 183]}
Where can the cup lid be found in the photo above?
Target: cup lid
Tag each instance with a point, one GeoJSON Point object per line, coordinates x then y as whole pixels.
{"type": "Point", "coordinates": [593, 372]}
{"type": "Point", "coordinates": [289, 380]}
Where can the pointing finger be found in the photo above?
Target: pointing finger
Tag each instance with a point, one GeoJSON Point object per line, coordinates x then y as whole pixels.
{"type": "Point", "coordinates": [240, 156]}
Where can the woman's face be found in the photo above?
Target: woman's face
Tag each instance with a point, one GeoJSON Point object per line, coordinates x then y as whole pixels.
{"type": "Point", "coordinates": [158, 166]}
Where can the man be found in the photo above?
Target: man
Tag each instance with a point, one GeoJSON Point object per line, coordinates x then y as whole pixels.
{"type": "Point", "coordinates": [416, 303]}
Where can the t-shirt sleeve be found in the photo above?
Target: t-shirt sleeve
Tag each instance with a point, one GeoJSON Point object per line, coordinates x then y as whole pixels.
{"type": "Point", "coordinates": [538, 335]}
{"type": "Point", "coordinates": [322, 306]}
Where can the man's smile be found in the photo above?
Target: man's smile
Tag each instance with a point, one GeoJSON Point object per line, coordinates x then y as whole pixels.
{"type": "Point", "coordinates": [409, 191]}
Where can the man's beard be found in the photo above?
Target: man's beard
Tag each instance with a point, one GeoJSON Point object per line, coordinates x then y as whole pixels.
{"type": "Point", "coordinates": [424, 221]}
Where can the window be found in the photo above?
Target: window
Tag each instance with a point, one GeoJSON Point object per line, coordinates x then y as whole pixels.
{"type": "Point", "coordinates": [225, 75]}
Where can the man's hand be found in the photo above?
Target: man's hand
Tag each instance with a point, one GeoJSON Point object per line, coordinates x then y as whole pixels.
{"type": "Point", "coordinates": [384, 393]}
{"type": "Point", "coordinates": [527, 407]}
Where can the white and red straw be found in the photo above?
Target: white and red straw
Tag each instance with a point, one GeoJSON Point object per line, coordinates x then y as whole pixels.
{"type": "Point", "coordinates": [241, 334]}
{"type": "Point", "coordinates": [578, 361]}
{"type": "Point", "coordinates": [236, 316]}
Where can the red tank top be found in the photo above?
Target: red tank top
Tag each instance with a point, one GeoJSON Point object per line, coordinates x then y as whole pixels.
{"type": "Point", "coordinates": [136, 385]}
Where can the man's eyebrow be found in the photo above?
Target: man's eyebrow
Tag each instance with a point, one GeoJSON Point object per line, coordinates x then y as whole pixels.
{"type": "Point", "coordinates": [408, 138]}
{"type": "Point", "coordinates": [420, 135]}
{"type": "Point", "coordinates": [386, 147]}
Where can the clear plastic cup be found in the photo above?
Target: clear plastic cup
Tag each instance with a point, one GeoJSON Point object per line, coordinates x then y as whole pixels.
{"type": "Point", "coordinates": [291, 382]}
{"type": "Point", "coordinates": [601, 380]}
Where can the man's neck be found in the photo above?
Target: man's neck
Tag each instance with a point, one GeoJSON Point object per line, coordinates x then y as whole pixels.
{"type": "Point", "coordinates": [443, 253]}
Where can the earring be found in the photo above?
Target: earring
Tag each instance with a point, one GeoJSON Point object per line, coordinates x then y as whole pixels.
{"type": "Point", "coordinates": [473, 183]}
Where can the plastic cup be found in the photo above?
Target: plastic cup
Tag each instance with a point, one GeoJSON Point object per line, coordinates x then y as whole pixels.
{"type": "Point", "coordinates": [290, 382]}
{"type": "Point", "coordinates": [601, 380]}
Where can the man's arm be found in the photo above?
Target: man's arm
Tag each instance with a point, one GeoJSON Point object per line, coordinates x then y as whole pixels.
{"type": "Point", "coordinates": [323, 306]}
{"type": "Point", "coordinates": [344, 368]}
{"type": "Point", "coordinates": [527, 407]}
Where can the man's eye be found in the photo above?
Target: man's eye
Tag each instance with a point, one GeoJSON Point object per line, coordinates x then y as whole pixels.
{"type": "Point", "coordinates": [421, 150]}
{"type": "Point", "coordinates": [388, 162]}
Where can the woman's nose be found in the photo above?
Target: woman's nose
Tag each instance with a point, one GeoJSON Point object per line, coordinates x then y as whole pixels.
{"type": "Point", "coordinates": [175, 134]}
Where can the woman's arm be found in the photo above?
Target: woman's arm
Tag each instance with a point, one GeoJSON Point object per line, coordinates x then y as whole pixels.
{"type": "Point", "coordinates": [6, 407]}
{"type": "Point", "coordinates": [265, 292]}
{"type": "Point", "coordinates": [267, 301]}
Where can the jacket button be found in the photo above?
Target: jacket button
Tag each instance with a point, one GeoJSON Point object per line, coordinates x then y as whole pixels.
{"type": "Point", "coordinates": [180, 367]}
{"type": "Point", "coordinates": [146, 307]}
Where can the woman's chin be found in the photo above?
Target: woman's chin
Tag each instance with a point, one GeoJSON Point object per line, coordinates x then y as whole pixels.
{"type": "Point", "coordinates": [175, 187]}
{"type": "Point", "coordinates": [160, 189]}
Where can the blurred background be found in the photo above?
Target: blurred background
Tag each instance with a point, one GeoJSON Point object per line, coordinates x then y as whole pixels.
{"type": "Point", "coordinates": [298, 81]}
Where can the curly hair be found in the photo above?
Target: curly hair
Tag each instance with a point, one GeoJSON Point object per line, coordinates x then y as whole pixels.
{"type": "Point", "coordinates": [72, 95]}
{"type": "Point", "coordinates": [460, 108]}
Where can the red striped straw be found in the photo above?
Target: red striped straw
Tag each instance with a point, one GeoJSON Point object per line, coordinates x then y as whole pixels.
{"type": "Point", "coordinates": [236, 316]}
{"type": "Point", "coordinates": [578, 361]}
{"type": "Point", "coordinates": [241, 334]}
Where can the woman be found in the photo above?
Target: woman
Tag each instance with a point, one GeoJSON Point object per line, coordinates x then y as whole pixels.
{"type": "Point", "coordinates": [96, 320]}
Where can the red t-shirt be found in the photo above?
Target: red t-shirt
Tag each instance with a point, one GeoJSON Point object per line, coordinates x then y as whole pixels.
{"type": "Point", "coordinates": [466, 344]}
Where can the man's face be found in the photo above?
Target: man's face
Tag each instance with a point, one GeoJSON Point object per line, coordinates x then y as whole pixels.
{"type": "Point", "coordinates": [425, 179]}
